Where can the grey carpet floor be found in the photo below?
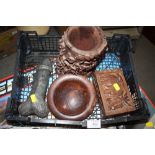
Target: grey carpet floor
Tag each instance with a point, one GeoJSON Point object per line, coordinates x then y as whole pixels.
{"type": "Point", "coordinates": [144, 61]}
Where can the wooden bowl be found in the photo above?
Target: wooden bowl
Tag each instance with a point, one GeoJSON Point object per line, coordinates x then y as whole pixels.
{"type": "Point", "coordinates": [71, 97]}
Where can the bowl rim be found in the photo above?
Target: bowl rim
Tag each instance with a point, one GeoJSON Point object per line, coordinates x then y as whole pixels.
{"type": "Point", "coordinates": [91, 90]}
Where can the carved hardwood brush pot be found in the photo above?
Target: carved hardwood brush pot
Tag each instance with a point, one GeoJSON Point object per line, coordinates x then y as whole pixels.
{"type": "Point", "coordinates": [71, 97]}
{"type": "Point", "coordinates": [81, 49]}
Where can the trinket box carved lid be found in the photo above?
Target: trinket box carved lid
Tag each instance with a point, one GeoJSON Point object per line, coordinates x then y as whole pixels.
{"type": "Point", "coordinates": [114, 94]}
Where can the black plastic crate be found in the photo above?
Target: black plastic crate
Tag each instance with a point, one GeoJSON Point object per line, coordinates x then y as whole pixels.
{"type": "Point", "coordinates": [31, 49]}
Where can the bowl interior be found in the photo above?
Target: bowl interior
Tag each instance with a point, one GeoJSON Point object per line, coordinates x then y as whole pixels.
{"type": "Point", "coordinates": [71, 97]}
{"type": "Point", "coordinates": [84, 38]}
